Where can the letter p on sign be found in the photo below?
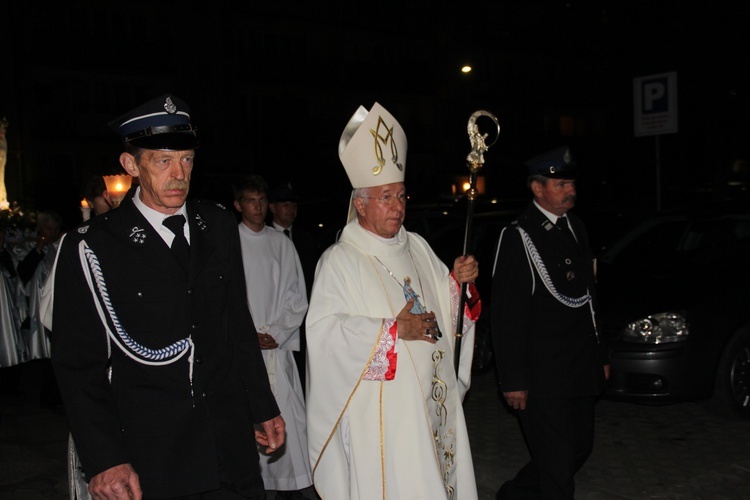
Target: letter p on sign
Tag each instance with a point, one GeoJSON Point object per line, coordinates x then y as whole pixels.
{"type": "Point", "coordinates": [653, 96]}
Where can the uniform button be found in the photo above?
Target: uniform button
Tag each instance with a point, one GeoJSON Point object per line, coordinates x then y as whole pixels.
{"type": "Point", "coordinates": [198, 360]}
{"type": "Point", "coordinates": [140, 294]}
{"type": "Point", "coordinates": [195, 326]}
{"type": "Point", "coordinates": [190, 291]}
{"type": "Point", "coordinates": [205, 395]}
{"type": "Point", "coordinates": [221, 276]}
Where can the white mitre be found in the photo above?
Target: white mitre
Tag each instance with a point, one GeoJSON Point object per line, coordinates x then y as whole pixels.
{"type": "Point", "coordinates": [372, 149]}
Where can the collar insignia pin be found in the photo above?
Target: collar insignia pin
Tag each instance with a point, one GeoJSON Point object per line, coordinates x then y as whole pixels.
{"type": "Point", "coordinates": [200, 222]}
{"type": "Point", "coordinates": [137, 235]}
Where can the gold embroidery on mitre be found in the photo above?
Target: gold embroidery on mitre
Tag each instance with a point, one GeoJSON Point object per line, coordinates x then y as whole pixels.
{"type": "Point", "coordinates": [381, 141]}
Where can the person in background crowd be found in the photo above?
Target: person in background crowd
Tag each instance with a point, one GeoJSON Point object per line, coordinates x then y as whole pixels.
{"type": "Point", "coordinates": [161, 379]}
{"type": "Point", "coordinates": [49, 231]}
{"type": "Point", "coordinates": [11, 343]}
{"type": "Point", "coordinates": [6, 261]}
{"type": "Point", "coordinates": [283, 204]}
{"type": "Point", "coordinates": [33, 272]}
{"type": "Point", "coordinates": [278, 302]}
{"type": "Point", "coordinates": [97, 196]}
{"type": "Point", "coordinates": [384, 404]}
{"type": "Point", "coordinates": [550, 361]}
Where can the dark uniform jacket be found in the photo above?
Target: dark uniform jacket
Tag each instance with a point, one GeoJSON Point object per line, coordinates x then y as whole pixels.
{"type": "Point", "coordinates": [542, 345]}
{"type": "Point", "coordinates": [309, 253]}
{"type": "Point", "coordinates": [174, 431]}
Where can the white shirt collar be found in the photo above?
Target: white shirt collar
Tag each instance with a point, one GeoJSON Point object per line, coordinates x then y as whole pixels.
{"type": "Point", "coordinates": [281, 228]}
{"type": "Point", "coordinates": [552, 217]}
{"type": "Point", "coordinates": [156, 218]}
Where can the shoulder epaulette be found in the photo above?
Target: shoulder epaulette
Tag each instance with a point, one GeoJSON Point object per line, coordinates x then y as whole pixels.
{"type": "Point", "coordinates": [92, 224]}
{"type": "Point", "coordinates": [209, 202]}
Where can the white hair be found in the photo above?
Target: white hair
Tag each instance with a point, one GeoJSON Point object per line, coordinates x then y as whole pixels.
{"type": "Point", "coordinates": [362, 193]}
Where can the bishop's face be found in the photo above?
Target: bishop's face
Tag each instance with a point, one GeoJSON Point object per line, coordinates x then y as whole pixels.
{"type": "Point", "coordinates": [382, 211]}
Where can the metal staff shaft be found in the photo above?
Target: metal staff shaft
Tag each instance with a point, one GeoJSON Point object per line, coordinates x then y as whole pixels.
{"type": "Point", "coordinates": [464, 286]}
{"type": "Point", "coordinates": [475, 162]}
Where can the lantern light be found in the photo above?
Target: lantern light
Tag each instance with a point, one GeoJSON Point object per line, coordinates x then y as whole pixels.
{"type": "Point", "coordinates": [117, 187]}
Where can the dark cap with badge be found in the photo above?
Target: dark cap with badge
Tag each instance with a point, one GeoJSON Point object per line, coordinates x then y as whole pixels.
{"type": "Point", "coordinates": [555, 164]}
{"type": "Point", "coordinates": [282, 193]}
{"type": "Point", "coordinates": [162, 123]}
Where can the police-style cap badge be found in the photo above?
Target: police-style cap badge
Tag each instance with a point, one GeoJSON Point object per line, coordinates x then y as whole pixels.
{"type": "Point", "coordinates": [555, 164]}
{"type": "Point", "coordinates": [162, 123]}
{"type": "Point", "coordinates": [284, 192]}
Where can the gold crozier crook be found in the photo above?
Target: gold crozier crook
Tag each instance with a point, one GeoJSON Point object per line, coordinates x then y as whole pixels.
{"type": "Point", "coordinates": [475, 162]}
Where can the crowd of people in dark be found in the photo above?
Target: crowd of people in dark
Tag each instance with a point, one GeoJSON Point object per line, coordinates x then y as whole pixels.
{"type": "Point", "coordinates": [26, 260]}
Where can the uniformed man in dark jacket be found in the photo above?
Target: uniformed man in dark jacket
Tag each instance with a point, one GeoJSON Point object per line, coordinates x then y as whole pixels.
{"type": "Point", "coordinates": [153, 344]}
{"type": "Point", "coordinates": [549, 358]}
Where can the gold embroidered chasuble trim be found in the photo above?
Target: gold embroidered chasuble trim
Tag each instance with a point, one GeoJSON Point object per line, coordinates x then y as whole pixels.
{"type": "Point", "coordinates": [439, 391]}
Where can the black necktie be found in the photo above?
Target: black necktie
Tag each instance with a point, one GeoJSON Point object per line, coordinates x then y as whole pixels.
{"type": "Point", "coordinates": [180, 247]}
{"type": "Point", "coordinates": [288, 234]}
{"type": "Point", "coordinates": [562, 224]}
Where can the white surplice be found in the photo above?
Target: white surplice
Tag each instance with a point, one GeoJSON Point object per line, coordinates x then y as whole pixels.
{"type": "Point", "coordinates": [370, 437]}
{"type": "Point", "coordinates": [11, 344]}
{"type": "Point", "coordinates": [278, 303]}
{"type": "Point", "coordinates": [37, 341]}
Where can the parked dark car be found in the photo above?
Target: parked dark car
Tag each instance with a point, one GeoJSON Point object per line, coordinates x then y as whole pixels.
{"type": "Point", "coordinates": [675, 308]}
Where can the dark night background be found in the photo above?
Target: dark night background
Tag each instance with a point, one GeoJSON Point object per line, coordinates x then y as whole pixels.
{"type": "Point", "coordinates": [271, 86]}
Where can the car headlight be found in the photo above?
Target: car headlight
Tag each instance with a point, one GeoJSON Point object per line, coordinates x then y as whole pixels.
{"type": "Point", "coordinates": [657, 329]}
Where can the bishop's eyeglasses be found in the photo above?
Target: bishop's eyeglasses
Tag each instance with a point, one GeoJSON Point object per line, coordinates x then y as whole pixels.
{"type": "Point", "coordinates": [389, 199]}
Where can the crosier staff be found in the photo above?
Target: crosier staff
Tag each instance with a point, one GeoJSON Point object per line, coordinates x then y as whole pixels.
{"type": "Point", "coordinates": [475, 162]}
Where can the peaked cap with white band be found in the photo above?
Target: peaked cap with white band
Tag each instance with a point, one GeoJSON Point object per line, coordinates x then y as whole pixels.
{"type": "Point", "coordinates": [372, 149]}
{"type": "Point", "coordinates": [160, 124]}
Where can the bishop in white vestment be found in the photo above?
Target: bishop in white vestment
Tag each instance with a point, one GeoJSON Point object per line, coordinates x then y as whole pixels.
{"type": "Point", "coordinates": [384, 411]}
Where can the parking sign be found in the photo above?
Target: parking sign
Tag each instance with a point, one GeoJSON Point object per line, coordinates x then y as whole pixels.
{"type": "Point", "coordinates": [655, 104]}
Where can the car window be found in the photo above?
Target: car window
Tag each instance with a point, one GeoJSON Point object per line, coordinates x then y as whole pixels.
{"type": "Point", "coordinates": [711, 239]}
{"type": "Point", "coordinates": [669, 241]}
{"type": "Point", "coordinates": [648, 244]}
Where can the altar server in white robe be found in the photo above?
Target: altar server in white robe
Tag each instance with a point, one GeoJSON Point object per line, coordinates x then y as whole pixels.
{"type": "Point", "coordinates": [278, 303]}
{"type": "Point", "coordinates": [384, 411]}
